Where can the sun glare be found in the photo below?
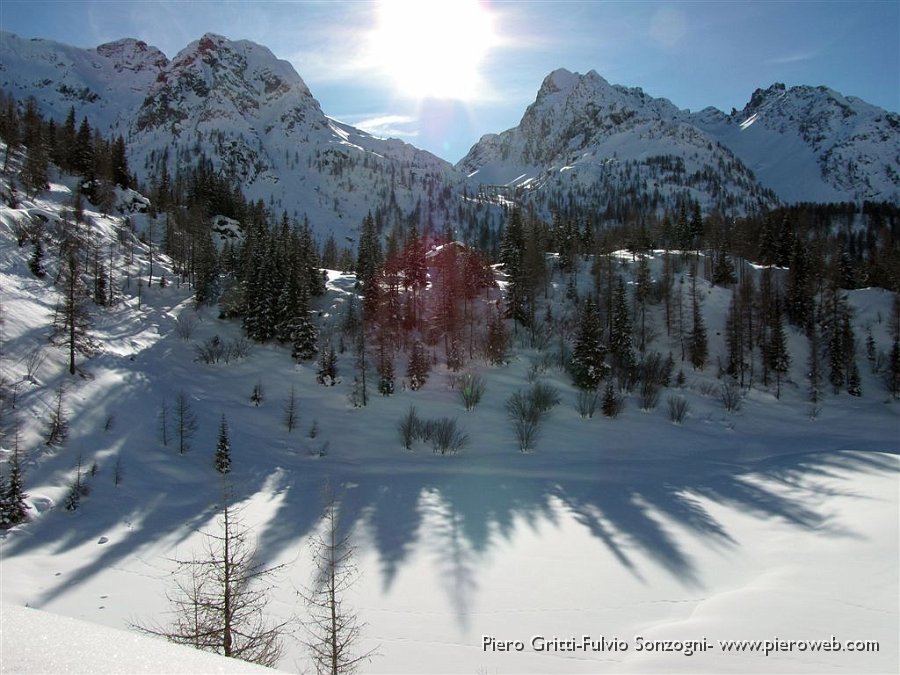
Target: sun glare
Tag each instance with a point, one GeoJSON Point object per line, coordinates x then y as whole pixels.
{"type": "Point", "coordinates": [433, 49]}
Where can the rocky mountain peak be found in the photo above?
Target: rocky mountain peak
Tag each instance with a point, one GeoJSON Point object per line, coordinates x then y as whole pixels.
{"type": "Point", "coordinates": [133, 55]}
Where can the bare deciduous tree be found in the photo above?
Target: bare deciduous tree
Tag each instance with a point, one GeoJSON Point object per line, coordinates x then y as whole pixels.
{"type": "Point", "coordinates": [220, 599]}
{"type": "Point", "coordinates": [185, 422]}
{"type": "Point", "coordinates": [333, 629]}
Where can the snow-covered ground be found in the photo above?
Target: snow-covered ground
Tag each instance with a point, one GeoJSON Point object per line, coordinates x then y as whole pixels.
{"type": "Point", "coordinates": [758, 525]}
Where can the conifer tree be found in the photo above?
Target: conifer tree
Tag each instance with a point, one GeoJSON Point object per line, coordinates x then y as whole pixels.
{"type": "Point", "coordinates": [327, 372]}
{"type": "Point", "coordinates": [418, 367]}
{"type": "Point", "coordinates": [776, 355]}
{"type": "Point", "coordinates": [497, 339]}
{"type": "Point", "coordinates": [185, 422]}
{"type": "Point", "coordinates": [611, 403]}
{"type": "Point", "coordinates": [369, 256]}
{"type": "Point", "coordinates": [13, 507]}
{"type": "Point", "coordinates": [219, 601]}
{"type": "Point", "coordinates": [36, 262]}
{"type": "Point", "coordinates": [291, 411]}
{"type": "Point", "coordinates": [35, 173]}
{"type": "Point", "coordinates": [512, 256]}
{"type": "Point", "coordinates": [72, 320]}
{"type": "Point", "coordinates": [620, 334]}
{"type": "Point", "coordinates": [589, 365]}
{"type": "Point", "coordinates": [814, 366]}
{"type": "Point", "coordinates": [698, 346]}
{"type": "Point", "coordinates": [385, 373]}
{"type": "Point", "coordinates": [223, 448]}
{"type": "Point", "coordinates": [333, 629]}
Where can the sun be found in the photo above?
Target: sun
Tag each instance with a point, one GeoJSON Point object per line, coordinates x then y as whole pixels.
{"type": "Point", "coordinates": [433, 48]}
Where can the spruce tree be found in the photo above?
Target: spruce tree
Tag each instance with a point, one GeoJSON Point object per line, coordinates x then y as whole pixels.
{"type": "Point", "coordinates": [304, 337]}
{"type": "Point", "coordinates": [13, 507]}
{"type": "Point", "coordinates": [698, 346]}
{"type": "Point", "coordinates": [36, 262]}
{"type": "Point", "coordinates": [620, 334]}
{"type": "Point", "coordinates": [777, 357]}
{"type": "Point", "coordinates": [588, 364]}
{"type": "Point", "coordinates": [418, 367]}
{"type": "Point", "coordinates": [327, 372]}
{"type": "Point", "coordinates": [223, 448]}
{"type": "Point", "coordinates": [611, 403]}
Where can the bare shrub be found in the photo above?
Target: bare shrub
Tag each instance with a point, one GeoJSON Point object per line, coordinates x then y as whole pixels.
{"type": "Point", "coordinates": [186, 324]}
{"type": "Point", "coordinates": [587, 402]}
{"type": "Point", "coordinates": [409, 427]}
{"type": "Point", "coordinates": [678, 409]}
{"type": "Point", "coordinates": [445, 437]}
{"type": "Point", "coordinates": [214, 349]}
{"type": "Point", "coordinates": [648, 393]}
{"type": "Point", "coordinates": [730, 395]}
{"type": "Point", "coordinates": [471, 390]}
{"type": "Point", "coordinates": [33, 362]}
{"type": "Point", "coordinates": [544, 396]}
{"type": "Point", "coordinates": [527, 409]}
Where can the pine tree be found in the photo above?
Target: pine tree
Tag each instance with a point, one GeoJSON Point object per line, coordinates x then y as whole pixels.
{"type": "Point", "coordinates": [291, 411]}
{"type": "Point", "coordinates": [497, 339]}
{"type": "Point", "coordinates": [36, 262]}
{"type": "Point", "coordinates": [223, 448]}
{"type": "Point", "coordinates": [620, 334]}
{"type": "Point", "coordinates": [369, 255]}
{"type": "Point", "coordinates": [893, 371]}
{"type": "Point", "coordinates": [734, 343]}
{"type": "Point", "coordinates": [698, 345]}
{"type": "Point", "coordinates": [327, 372]}
{"type": "Point", "coordinates": [814, 367]}
{"type": "Point", "coordinates": [611, 403]}
{"type": "Point", "coordinates": [304, 339]}
{"type": "Point", "coordinates": [58, 424]}
{"type": "Point", "coordinates": [385, 374]}
{"type": "Point", "coordinates": [588, 364]}
{"type": "Point", "coordinates": [35, 175]}
{"type": "Point", "coordinates": [72, 320]}
{"type": "Point", "coordinates": [512, 256]}
{"type": "Point", "coordinates": [418, 367]}
{"type": "Point", "coordinates": [13, 507]}
{"type": "Point", "coordinates": [776, 354]}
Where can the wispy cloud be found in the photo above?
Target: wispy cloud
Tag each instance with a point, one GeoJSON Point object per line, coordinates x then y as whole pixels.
{"type": "Point", "coordinates": [790, 58]}
{"type": "Point", "coordinates": [387, 126]}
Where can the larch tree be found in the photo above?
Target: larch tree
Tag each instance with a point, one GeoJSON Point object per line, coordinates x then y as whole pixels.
{"type": "Point", "coordinates": [184, 422]}
{"type": "Point", "coordinates": [332, 627]}
{"type": "Point", "coordinates": [220, 600]}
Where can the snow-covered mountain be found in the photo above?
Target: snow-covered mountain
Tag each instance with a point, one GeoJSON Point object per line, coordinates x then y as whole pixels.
{"type": "Point", "coordinates": [106, 84]}
{"type": "Point", "coordinates": [583, 143]}
{"type": "Point", "coordinates": [813, 144]}
{"type": "Point", "coordinates": [240, 106]}
{"type": "Point", "coordinates": [598, 140]}
{"type": "Point", "coordinates": [585, 135]}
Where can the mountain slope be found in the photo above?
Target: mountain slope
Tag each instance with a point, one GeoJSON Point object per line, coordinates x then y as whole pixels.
{"type": "Point", "coordinates": [583, 134]}
{"type": "Point", "coordinates": [812, 144]}
{"type": "Point", "coordinates": [238, 105]}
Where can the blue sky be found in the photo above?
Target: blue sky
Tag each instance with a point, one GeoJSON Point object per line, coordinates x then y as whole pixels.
{"type": "Point", "coordinates": [365, 63]}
